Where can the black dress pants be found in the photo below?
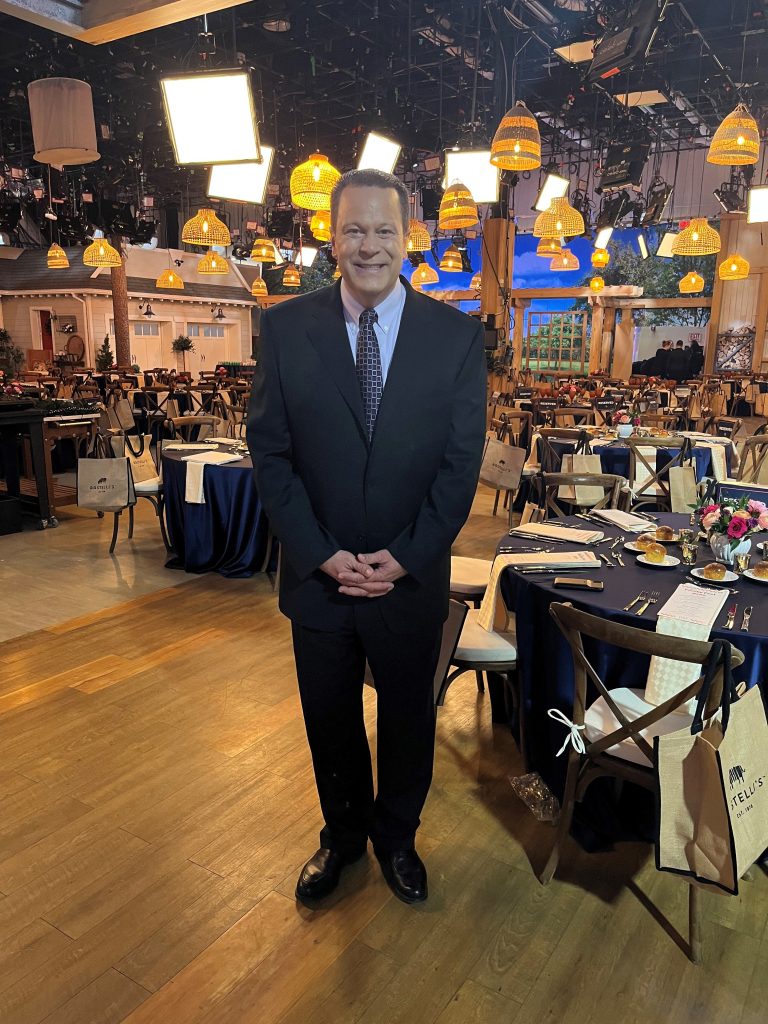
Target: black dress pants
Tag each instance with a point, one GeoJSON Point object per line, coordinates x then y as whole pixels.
{"type": "Point", "coordinates": [330, 668]}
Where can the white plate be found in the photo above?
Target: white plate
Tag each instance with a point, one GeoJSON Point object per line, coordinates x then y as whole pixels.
{"type": "Point", "coordinates": [730, 577]}
{"type": "Point", "coordinates": [750, 574]}
{"type": "Point", "coordinates": [668, 563]}
{"type": "Point", "coordinates": [631, 546]}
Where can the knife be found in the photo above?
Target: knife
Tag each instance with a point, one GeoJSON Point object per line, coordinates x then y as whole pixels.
{"type": "Point", "coordinates": [745, 620]}
{"type": "Point", "coordinates": [731, 616]}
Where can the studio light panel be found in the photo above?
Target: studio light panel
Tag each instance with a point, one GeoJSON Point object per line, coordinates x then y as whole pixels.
{"type": "Point", "coordinates": [474, 169]}
{"type": "Point", "coordinates": [211, 117]}
{"type": "Point", "coordinates": [245, 183]}
{"type": "Point", "coordinates": [379, 153]}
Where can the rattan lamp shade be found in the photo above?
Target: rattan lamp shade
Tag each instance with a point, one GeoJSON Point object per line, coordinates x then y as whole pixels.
{"type": "Point", "coordinates": [264, 251]}
{"type": "Point", "coordinates": [320, 225]}
{"type": "Point", "coordinates": [477, 282]}
{"type": "Point", "coordinates": [424, 274]}
{"type": "Point", "coordinates": [101, 254]}
{"type": "Point", "coordinates": [596, 284]}
{"type": "Point", "coordinates": [600, 258]}
{"type": "Point", "coordinates": [560, 220]}
{"type": "Point", "coordinates": [549, 247]}
{"type": "Point", "coordinates": [451, 260]}
{"type": "Point", "coordinates": [698, 239]}
{"type": "Point", "coordinates": [691, 283]}
{"type": "Point", "coordinates": [736, 141]}
{"type": "Point", "coordinates": [733, 268]}
{"type": "Point", "coordinates": [418, 237]}
{"type": "Point", "coordinates": [212, 263]}
{"type": "Point", "coordinates": [457, 208]}
{"type": "Point", "coordinates": [169, 279]}
{"type": "Point", "coordinates": [516, 145]}
{"type": "Point", "coordinates": [312, 183]}
{"type": "Point", "coordinates": [259, 287]}
{"type": "Point", "coordinates": [291, 277]}
{"type": "Point", "coordinates": [565, 260]}
{"type": "Point", "coordinates": [57, 258]}
{"type": "Point", "coordinates": [205, 228]}
{"type": "Point", "coordinates": [336, 274]}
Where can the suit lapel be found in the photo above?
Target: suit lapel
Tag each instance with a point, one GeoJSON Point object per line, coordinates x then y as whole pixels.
{"type": "Point", "coordinates": [328, 334]}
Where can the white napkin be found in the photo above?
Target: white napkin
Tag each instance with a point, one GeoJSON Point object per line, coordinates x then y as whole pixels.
{"type": "Point", "coordinates": [559, 533]}
{"type": "Point", "coordinates": [533, 461]}
{"type": "Point", "coordinates": [193, 489]}
{"type": "Point", "coordinates": [624, 520]}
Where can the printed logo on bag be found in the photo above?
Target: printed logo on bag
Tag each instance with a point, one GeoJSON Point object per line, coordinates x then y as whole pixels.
{"type": "Point", "coordinates": [101, 486]}
{"type": "Point", "coordinates": [741, 800]}
{"type": "Point", "coordinates": [101, 480]}
{"type": "Point", "coordinates": [736, 774]}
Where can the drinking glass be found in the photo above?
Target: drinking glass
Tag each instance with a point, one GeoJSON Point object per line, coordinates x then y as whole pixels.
{"type": "Point", "coordinates": [686, 536]}
{"type": "Point", "coordinates": [741, 562]}
{"type": "Point", "coordinates": [689, 552]}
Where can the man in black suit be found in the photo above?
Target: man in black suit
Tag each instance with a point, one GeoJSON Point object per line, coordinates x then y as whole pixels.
{"type": "Point", "coordinates": [677, 367]}
{"type": "Point", "coordinates": [366, 427]}
{"type": "Point", "coordinates": [660, 362]}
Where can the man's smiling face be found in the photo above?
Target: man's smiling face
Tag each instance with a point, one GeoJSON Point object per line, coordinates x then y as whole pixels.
{"type": "Point", "coordinates": [369, 241]}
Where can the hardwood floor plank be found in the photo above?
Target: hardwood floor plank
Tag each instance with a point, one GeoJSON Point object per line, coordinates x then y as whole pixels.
{"type": "Point", "coordinates": [108, 999]}
{"type": "Point", "coordinates": [473, 1004]}
{"type": "Point", "coordinates": [29, 949]}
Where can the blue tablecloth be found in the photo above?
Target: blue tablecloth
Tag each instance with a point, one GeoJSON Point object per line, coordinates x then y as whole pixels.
{"type": "Point", "coordinates": [614, 458]}
{"type": "Point", "coordinates": [229, 533]}
{"type": "Point", "coordinates": [546, 670]}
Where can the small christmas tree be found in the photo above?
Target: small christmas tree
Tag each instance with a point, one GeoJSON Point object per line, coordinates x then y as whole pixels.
{"type": "Point", "coordinates": [104, 358]}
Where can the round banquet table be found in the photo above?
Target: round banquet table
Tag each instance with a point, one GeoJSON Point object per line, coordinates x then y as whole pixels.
{"type": "Point", "coordinates": [614, 458]}
{"type": "Point", "coordinates": [227, 534]}
{"type": "Point", "coordinates": [545, 667]}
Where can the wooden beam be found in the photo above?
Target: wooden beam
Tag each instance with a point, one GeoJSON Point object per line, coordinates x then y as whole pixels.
{"type": "Point", "coordinates": [761, 323]}
{"type": "Point", "coordinates": [646, 303]}
{"type": "Point", "coordinates": [726, 229]}
{"type": "Point", "coordinates": [518, 331]}
{"type": "Point", "coordinates": [497, 259]}
{"type": "Point", "coordinates": [596, 336]}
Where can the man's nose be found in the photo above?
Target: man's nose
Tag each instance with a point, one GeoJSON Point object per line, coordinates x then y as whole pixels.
{"type": "Point", "coordinates": [370, 243]}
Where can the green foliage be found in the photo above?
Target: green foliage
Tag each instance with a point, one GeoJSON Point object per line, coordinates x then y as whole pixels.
{"type": "Point", "coordinates": [317, 276]}
{"type": "Point", "coordinates": [182, 344]}
{"type": "Point", "coordinates": [105, 360]}
{"type": "Point", "coordinates": [11, 356]}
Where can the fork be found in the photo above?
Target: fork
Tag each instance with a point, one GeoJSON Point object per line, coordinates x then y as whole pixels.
{"type": "Point", "coordinates": [653, 598]}
{"type": "Point", "coordinates": [640, 597]}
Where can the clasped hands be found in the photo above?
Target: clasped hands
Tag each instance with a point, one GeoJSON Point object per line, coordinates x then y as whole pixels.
{"type": "Point", "coordinates": [364, 575]}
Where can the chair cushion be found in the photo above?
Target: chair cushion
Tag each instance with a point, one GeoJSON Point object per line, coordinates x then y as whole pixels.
{"type": "Point", "coordinates": [151, 486]}
{"type": "Point", "coordinates": [601, 721]}
{"type": "Point", "coordinates": [477, 644]}
{"type": "Point", "coordinates": [469, 575]}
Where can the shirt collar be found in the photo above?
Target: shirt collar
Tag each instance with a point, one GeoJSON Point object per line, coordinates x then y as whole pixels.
{"type": "Point", "coordinates": [386, 310]}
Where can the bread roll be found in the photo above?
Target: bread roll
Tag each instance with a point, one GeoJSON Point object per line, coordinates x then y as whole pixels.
{"type": "Point", "coordinates": [714, 571]}
{"type": "Point", "coordinates": [645, 540]}
{"type": "Point", "coordinates": [761, 570]}
{"type": "Point", "coordinates": [656, 553]}
{"type": "Point", "coordinates": [664, 533]}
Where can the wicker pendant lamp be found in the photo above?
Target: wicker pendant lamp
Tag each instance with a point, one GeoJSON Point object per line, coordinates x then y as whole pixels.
{"type": "Point", "coordinates": [320, 225]}
{"type": "Point", "coordinates": [57, 258]}
{"type": "Point", "coordinates": [336, 274]}
{"type": "Point", "coordinates": [259, 287]}
{"type": "Point", "coordinates": [600, 258]}
{"type": "Point", "coordinates": [101, 254]}
{"type": "Point", "coordinates": [736, 141]}
{"type": "Point", "coordinates": [457, 208]}
{"type": "Point", "coordinates": [418, 237]}
{"type": "Point", "coordinates": [291, 277]}
{"type": "Point", "coordinates": [312, 183]}
{"type": "Point", "coordinates": [451, 261]}
{"type": "Point", "coordinates": [516, 145]}
{"type": "Point", "coordinates": [264, 251]}
{"type": "Point", "coordinates": [691, 283]}
{"type": "Point", "coordinates": [698, 239]}
{"type": "Point", "coordinates": [565, 260]}
{"type": "Point", "coordinates": [206, 229]}
{"type": "Point", "coordinates": [169, 279]}
{"type": "Point", "coordinates": [212, 263]}
{"type": "Point", "coordinates": [596, 284]}
{"type": "Point", "coordinates": [424, 274]}
{"type": "Point", "coordinates": [477, 282]}
{"type": "Point", "coordinates": [733, 268]}
{"type": "Point", "coordinates": [560, 220]}
{"type": "Point", "coordinates": [549, 247]}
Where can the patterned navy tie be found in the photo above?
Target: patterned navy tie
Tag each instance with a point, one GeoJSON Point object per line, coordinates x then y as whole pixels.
{"type": "Point", "coordinates": [368, 366]}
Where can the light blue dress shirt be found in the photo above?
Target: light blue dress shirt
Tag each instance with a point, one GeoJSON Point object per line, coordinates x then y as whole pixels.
{"type": "Point", "coordinates": [389, 312]}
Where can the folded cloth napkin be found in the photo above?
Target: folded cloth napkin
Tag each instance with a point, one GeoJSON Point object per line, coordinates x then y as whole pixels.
{"type": "Point", "coordinates": [585, 536]}
{"type": "Point", "coordinates": [533, 462]}
{"type": "Point", "coordinates": [624, 520]}
{"type": "Point", "coordinates": [193, 490]}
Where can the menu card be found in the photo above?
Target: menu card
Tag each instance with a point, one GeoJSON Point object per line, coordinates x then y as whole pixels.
{"type": "Point", "coordinates": [553, 559]}
{"type": "Point", "coordinates": [690, 603]}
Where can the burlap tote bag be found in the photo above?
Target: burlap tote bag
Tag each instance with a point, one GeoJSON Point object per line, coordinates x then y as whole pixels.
{"type": "Point", "coordinates": [105, 484]}
{"type": "Point", "coordinates": [713, 786]}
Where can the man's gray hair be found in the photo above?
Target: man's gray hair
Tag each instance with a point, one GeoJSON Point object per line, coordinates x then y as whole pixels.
{"type": "Point", "coordinates": [370, 178]}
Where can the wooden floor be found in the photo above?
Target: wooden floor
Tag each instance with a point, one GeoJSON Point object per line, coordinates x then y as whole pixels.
{"type": "Point", "coordinates": [156, 803]}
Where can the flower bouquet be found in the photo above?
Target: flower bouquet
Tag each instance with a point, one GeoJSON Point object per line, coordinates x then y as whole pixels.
{"type": "Point", "coordinates": [730, 523]}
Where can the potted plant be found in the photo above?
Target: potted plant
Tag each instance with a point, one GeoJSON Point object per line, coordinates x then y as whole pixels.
{"type": "Point", "coordinates": [11, 356]}
{"type": "Point", "coordinates": [105, 360]}
{"type": "Point", "coordinates": [182, 345]}
{"type": "Point", "coordinates": [729, 525]}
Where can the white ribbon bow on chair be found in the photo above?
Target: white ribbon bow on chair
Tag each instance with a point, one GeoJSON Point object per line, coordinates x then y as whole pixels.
{"type": "Point", "coordinates": [574, 731]}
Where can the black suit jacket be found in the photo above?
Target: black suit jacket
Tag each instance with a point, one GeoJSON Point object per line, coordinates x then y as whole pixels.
{"type": "Point", "coordinates": [325, 488]}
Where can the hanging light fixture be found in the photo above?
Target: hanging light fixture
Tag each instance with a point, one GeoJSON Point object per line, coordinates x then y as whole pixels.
{"type": "Point", "coordinates": [63, 125]}
{"type": "Point", "coordinates": [57, 258]}
{"type": "Point", "coordinates": [691, 283]}
{"type": "Point", "coordinates": [477, 282]}
{"type": "Point", "coordinates": [259, 287]}
{"type": "Point", "coordinates": [101, 254]}
{"type": "Point", "coordinates": [264, 251]}
{"type": "Point", "coordinates": [733, 268]}
{"type": "Point", "coordinates": [549, 247]}
{"type": "Point", "coordinates": [312, 183]}
{"type": "Point", "coordinates": [418, 237]}
{"type": "Point", "coordinates": [205, 228]}
{"type": "Point", "coordinates": [596, 284]}
{"type": "Point", "coordinates": [561, 219]}
{"type": "Point", "coordinates": [424, 274]}
{"type": "Point", "coordinates": [291, 277]}
{"type": "Point", "coordinates": [457, 208]}
{"type": "Point", "coordinates": [565, 260]}
{"type": "Point", "coordinates": [336, 274]}
{"type": "Point", "coordinates": [600, 258]}
{"type": "Point", "coordinates": [212, 263]}
{"type": "Point", "coordinates": [170, 279]}
{"type": "Point", "coordinates": [146, 310]}
{"type": "Point", "coordinates": [698, 239]}
{"type": "Point", "coordinates": [451, 260]}
{"type": "Point", "coordinates": [320, 225]}
{"type": "Point", "coordinates": [516, 145]}
{"type": "Point", "coordinates": [736, 141]}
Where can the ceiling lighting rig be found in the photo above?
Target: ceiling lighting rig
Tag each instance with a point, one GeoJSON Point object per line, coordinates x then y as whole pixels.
{"type": "Point", "coordinates": [732, 194]}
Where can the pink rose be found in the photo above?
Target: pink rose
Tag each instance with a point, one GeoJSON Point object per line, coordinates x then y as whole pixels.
{"type": "Point", "coordinates": [756, 507]}
{"type": "Point", "coordinates": [709, 521]}
{"type": "Point", "coordinates": [710, 510]}
{"type": "Point", "coordinates": [737, 527]}
{"type": "Point", "coordinates": [762, 520]}
{"type": "Point", "coordinates": [741, 513]}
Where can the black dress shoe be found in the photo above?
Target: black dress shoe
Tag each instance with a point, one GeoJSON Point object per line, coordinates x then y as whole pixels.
{"type": "Point", "coordinates": [405, 875]}
{"type": "Point", "coordinates": [320, 875]}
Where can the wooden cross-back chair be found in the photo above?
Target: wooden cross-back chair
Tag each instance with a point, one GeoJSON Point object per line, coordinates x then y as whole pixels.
{"type": "Point", "coordinates": [513, 425]}
{"type": "Point", "coordinates": [650, 485]}
{"type": "Point", "coordinates": [619, 744]}
{"type": "Point", "coordinates": [660, 420]}
{"type": "Point", "coordinates": [573, 416]}
{"type": "Point", "coordinates": [753, 464]}
{"type": "Point", "coordinates": [723, 426]}
{"type": "Point", "coordinates": [610, 483]}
